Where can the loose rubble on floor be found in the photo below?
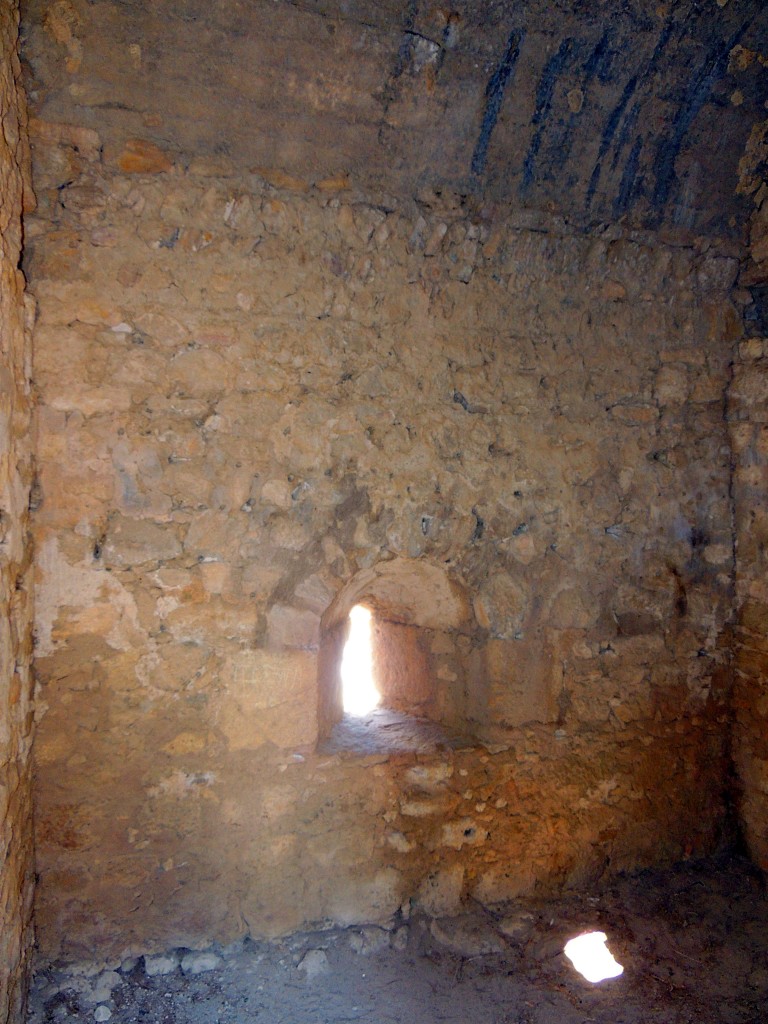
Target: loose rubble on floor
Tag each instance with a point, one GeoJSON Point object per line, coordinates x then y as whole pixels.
{"type": "Point", "coordinates": [691, 940]}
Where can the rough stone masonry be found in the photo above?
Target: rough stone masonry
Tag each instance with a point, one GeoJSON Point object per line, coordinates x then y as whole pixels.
{"type": "Point", "coordinates": [274, 381]}
{"type": "Point", "coordinates": [748, 414]}
{"type": "Point", "coordinates": [16, 856]}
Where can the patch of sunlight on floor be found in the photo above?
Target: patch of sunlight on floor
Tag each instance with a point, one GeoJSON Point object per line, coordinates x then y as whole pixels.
{"type": "Point", "coordinates": [358, 690]}
{"type": "Point", "coordinates": [591, 957]}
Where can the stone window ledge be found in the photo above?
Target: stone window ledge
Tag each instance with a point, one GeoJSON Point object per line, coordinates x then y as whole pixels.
{"type": "Point", "coordinates": [384, 731]}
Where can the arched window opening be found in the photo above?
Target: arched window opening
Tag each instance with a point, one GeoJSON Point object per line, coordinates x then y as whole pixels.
{"type": "Point", "coordinates": [359, 693]}
{"type": "Point", "coordinates": [396, 657]}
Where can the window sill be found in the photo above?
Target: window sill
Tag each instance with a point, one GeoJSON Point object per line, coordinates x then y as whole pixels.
{"type": "Point", "coordinates": [384, 731]}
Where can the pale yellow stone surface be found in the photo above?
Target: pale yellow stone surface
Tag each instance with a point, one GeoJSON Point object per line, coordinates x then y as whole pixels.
{"type": "Point", "coordinates": [268, 697]}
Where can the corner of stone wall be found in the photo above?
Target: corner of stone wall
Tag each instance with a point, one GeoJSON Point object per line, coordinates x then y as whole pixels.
{"type": "Point", "coordinates": [748, 416]}
{"type": "Point", "coordinates": [16, 843]}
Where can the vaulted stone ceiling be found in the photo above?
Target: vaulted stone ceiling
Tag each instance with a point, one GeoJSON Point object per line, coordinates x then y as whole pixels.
{"type": "Point", "coordinates": [591, 111]}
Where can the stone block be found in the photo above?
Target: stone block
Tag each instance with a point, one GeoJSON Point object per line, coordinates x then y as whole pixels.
{"type": "Point", "coordinates": [159, 965]}
{"type": "Point", "coordinates": [200, 963]}
{"type": "Point", "coordinates": [268, 697]}
{"type": "Point", "coordinates": [292, 627]}
{"type": "Point", "coordinates": [314, 964]}
{"type": "Point", "coordinates": [440, 892]}
{"type": "Point", "coordinates": [140, 156]}
{"type": "Point", "coordinates": [139, 541]}
{"type": "Point", "coordinates": [518, 684]}
{"type": "Point", "coordinates": [500, 605]}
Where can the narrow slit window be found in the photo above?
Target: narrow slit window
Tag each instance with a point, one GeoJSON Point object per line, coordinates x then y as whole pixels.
{"type": "Point", "coordinates": [359, 692]}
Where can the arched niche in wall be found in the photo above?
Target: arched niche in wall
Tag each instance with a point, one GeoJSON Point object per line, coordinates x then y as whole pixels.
{"type": "Point", "coordinates": [421, 641]}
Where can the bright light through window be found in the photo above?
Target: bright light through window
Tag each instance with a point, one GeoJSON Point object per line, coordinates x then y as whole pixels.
{"type": "Point", "coordinates": [358, 690]}
{"type": "Point", "coordinates": [592, 958]}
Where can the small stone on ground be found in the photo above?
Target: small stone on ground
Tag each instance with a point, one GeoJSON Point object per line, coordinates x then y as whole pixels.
{"type": "Point", "coordinates": [314, 963]}
{"type": "Point", "coordinates": [198, 963]}
{"type": "Point", "coordinates": [160, 965]}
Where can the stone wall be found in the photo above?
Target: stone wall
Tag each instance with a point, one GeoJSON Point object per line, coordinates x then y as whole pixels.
{"type": "Point", "coordinates": [748, 413]}
{"type": "Point", "coordinates": [633, 111]}
{"type": "Point", "coordinates": [263, 401]}
{"type": "Point", "coordinates": [16, 857]}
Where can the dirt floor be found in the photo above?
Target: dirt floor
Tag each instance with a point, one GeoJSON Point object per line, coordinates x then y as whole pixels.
{"type": "Point", "coordinates": [693, 941]}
